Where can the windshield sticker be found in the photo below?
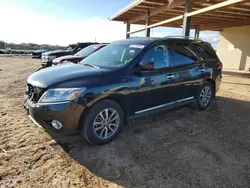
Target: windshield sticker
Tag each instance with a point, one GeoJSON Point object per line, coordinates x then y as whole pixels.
{"type": "Point", "coordinates": [136, 46]}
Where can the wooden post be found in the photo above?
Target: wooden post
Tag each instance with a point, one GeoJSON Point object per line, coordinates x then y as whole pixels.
{"type": "Point", "coordinates": [190, 14]}
{"type": "Point", "coordinates": [147, 23]}
{"type": "Point", "coordinates": [127, 30]}
{"type": "Point", "coordinates": [186, 19]}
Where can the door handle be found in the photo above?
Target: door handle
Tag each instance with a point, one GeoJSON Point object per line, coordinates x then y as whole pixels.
{"type": "Point", "coordinates": [170, 77]}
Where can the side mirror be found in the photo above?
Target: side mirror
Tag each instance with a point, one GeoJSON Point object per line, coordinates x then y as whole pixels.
{"type": "Point", "coordinates": [146, 65]}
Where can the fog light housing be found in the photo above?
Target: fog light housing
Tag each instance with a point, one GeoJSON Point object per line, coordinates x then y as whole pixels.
{"type": "Point", "coordinates": [56, 124]}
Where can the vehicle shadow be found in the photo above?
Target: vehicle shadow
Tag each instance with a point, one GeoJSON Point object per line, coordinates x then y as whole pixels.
{"type": "Point", "coordinates": [233, 83]}
{"type": "Point", "coordinates": [240, 74]}
{"type": "Point", "coordinates": [180, 148]}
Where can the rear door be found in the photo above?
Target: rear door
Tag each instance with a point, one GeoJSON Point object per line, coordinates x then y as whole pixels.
{"type": "Point", "coordinates": [186, 68]}
{"type": "Point", "coordinates": [210, 65]}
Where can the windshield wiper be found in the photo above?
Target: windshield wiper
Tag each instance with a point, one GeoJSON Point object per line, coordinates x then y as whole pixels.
{"type": "Point", "coordinates": [90, 65]}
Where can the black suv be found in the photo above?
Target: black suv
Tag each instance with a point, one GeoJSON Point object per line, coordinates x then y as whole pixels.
{"type": "Point", "coordinates": [47, 57]}
{"type": "Point", "coordinates": [126, 79]}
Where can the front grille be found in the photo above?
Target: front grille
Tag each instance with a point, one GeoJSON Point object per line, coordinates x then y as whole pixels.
{"type": "Point", "coordinates": [44, 58]}
{"type": "Point", "coordinates": [34, 93]}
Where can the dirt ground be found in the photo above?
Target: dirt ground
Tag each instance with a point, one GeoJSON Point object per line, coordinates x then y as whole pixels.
{"type": "Point", "coordinates": [181, 148]}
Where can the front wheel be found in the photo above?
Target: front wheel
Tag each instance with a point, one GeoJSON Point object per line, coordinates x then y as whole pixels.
{"type": "Point", "coordinates": [103, 122]}
{"type": "Point", "coordinates": [204, 96]}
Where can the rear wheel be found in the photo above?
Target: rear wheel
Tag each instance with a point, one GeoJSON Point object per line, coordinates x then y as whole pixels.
{"type": "Point", "coordinates": [204, 96]}
{"type": "Point", "coordinates": [103, 122]}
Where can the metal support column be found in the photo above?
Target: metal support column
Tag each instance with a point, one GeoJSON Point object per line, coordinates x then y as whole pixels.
{"type": "Point", "coordinates": [187, 20]}
{"type": "Point", "coordinates": [147, 23]}
{"type": "Point", "coordinates": [127, 30]}
{"type": "Point", "coordinates": [197, 33]}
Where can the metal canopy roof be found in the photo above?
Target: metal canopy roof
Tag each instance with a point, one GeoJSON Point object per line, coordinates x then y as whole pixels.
{"type": "Point", "coordinates": [205, 14]}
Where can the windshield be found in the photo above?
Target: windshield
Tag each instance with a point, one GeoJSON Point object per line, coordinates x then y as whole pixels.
{"type": "Point", "coordinates": [86, 51]}
{"type": "Point", "coordinates": [113, 55]}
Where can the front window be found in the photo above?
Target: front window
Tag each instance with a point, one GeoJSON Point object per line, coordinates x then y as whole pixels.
{"type": "Point", "coordinates": [114, 55]}
{"type": "Point", "coordinates": [159, 55]}
{"type": "Point", "coordinates": [86, 51]}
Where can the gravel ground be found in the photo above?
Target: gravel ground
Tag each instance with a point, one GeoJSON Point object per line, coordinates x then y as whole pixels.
{"type": "Point", "coordinates": [181, 148]}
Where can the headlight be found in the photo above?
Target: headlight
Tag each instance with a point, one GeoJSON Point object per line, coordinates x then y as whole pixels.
{"type": "Point", "coordinates": [48, 57]}
{"type": "Point", "coordinates": [61, 95]}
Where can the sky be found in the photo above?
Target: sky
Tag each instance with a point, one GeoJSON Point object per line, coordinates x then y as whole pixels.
{"type": "Point", "coordinates": [63, 22]}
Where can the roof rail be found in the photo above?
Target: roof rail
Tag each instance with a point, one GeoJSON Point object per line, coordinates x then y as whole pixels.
{"type": "Point", "coordinates": [182, 37]}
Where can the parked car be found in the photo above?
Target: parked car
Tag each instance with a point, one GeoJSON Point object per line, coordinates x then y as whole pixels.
{"type": "Point", "coordinates": [48, 57]}
{"type": "Point", "coordinates": [126, 79]}
{"type": "Point", "coordinates": [38, 53]}
{"type": "Point", "coordinates": [79, 55]}
{"type": "Point", "coordinates": [2, 51]}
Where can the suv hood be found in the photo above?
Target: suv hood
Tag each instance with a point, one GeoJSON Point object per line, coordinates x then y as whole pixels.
{"type": "Point", "coordinates": [57, 52]}
{"type": "Point", "coordinates": [56, 74]}
{"type": "Point", "coordinates": [68, 57]}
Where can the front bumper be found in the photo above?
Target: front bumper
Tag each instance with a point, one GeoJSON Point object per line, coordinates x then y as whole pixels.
{"type": "Point", "coordinates": [68, 113]}
{"type": "Point", "coordinates": [36, 56]}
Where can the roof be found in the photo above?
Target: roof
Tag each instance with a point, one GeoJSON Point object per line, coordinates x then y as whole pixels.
{"type": "Point", "coordinates": [98, 45]}
{"type": "Point", "coordinates": [149, 40]}
{"type": "Point", "coordinates": [138, 40]}
{"type": "Point", "coordinates": [232, 13]}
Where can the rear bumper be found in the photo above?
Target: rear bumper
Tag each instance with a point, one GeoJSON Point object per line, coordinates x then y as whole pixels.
{"type": "Point", "coordinates": [217, 83]}
{"type": "Point", "coordinates": [68, 113]}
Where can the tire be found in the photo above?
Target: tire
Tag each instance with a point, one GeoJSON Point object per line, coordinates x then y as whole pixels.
{"type": "Point", "coordinates": [201, 103]}
{"type": "Point", "coordinates": [102, 123]}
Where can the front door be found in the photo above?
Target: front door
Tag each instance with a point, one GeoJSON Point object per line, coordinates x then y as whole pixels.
{"type": "Point", "coordinates": [157, 87]}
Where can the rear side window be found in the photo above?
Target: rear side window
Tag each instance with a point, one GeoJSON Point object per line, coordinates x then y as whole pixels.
{"type": "Point", "coordinates": [183, 54]}
{"type": "Point", "coordinates": [204, 51]}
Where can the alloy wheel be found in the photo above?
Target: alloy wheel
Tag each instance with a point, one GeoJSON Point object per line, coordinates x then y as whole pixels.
{"type": "Point", "coordinates": [106, 123]}
{"type": "Point", "coordinates": [205, 96]}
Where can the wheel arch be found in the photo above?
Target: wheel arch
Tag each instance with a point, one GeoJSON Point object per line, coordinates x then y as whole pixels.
{"type": "Point", "coordinates": [211, 81]}
{"type": "Point", "coordinates": [118, 98]}
{"type": "Point", "coordinates": [121, 100]}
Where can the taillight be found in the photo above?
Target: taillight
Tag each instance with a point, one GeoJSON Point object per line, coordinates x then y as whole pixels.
{"type": "Point", "coordinates": [220, 64]}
